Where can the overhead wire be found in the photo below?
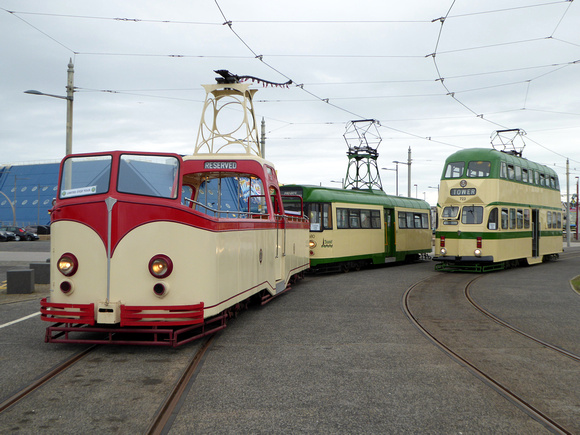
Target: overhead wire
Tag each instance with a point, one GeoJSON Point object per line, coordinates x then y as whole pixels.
{"type": "Point", "coordinates": [451, 93]}
{"type": "Point", "coordinates": [302, 86]}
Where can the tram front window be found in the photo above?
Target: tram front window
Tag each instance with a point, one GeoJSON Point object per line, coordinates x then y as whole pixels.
{"type": "Point", "coordinates": [148, 175]}
{"type": "Point", "coordinates": [478, 169]}
{"type": "Point", "coordinates": [472, 214]}
{"type": "Point", "coordinates": [454, 170]}
{"type": "Point", "coordinates": [85, 176]}
{"type": "Point", "coordinates": [450, 212]}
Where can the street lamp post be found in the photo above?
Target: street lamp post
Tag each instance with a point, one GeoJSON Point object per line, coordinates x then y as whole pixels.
{"type": "Point", "coordinates": [397, 175]}
{"type": "Point", "coordinates": [69, 104]}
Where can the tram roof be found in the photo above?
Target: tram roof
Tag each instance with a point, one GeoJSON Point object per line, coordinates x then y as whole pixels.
{"type": "Point", "coordinates": [493, 156]}
{"type": "Point", "coordinates": [363, 196]}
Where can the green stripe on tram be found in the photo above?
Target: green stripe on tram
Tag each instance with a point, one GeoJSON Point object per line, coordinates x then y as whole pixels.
{"type": "Point", "coordinates": [506, 235]}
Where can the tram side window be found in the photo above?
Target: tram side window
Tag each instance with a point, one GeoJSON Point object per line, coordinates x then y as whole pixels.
{"type": "Point", "coordinates": [410, 220]}
{"type": "Point", "coordinates": [492, 219]}
{"type": "Point", "coordinates": [537, 178]}
{"type": "Point", "coordinates": [503, 170]}
{"type": "Point", "coordinates": [549, 220]}
{"type": "Point", "coordinates": [559, 220]}
{"type": "Point", "coordinates": [424, 220]}
{"type": "Point", "coordinates": [526, 218]}
{"type": "Point", "coordinates": [478, 169]}
{"type": "Point", "coordinates": [542, 180]}
{"type": "Point", "coordinates": [314, 216]}
{"type": "Point", "coordinates": [320, 216]}
{"type": "Point", "coordinates": [472, 214]}
{"type": "Point", "coordinates": [228, 195]}
{"type": "Point", "coordinates": [518, 173]}
{"type": "Point", "coordinates": [525, 177]}
{"type": "Point", "coordinates": [511, 172]}
{"type": "Point", "coordinates": [402, 219]}
{"type": "Point", "coordinates": [520, 218]}
{"type": "Point", "coordinates": [365, 218]}
{"type": "Point", "coordinates": [512, 218]}
{"type": "Point", "coordinates": [454, 170]}
{"type": "Point", "coordinates": [504, 218]}
{"type": "Point", "coordinates": [375, 218]}
{"type": "Point", "coordinates": [342, 218]}
{"type": "Point", "coordinates": [354, 218]}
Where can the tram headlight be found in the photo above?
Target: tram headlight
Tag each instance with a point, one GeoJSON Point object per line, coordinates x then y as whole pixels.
{"type": "Point", "coordinates": [312, 244]}
{"type": "Point", "coordinates": [477, 252]}
{"type": "Point", "coordinates": [443, 251]}
{"type": "Point", "coordinates": [160, 266]}
{"type": "Point", "coordinates": [67, 264]}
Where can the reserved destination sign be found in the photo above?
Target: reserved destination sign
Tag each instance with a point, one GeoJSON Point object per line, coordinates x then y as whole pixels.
{"type": "Point", "coordinates": [220, 165]}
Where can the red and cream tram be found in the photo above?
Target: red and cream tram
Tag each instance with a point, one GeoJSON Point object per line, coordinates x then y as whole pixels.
{"type": "Point", "coordinates": [164, 246]}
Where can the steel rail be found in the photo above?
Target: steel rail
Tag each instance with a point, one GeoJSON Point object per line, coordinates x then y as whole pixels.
{"type": "Point", "coordinates": [529, 409]}
{"type": "Point", "coordinates": [44, 379]}
{"type": "Point", "coordinates": [162, 421]}
{"type": "Point", "coordinates": [514, 329]}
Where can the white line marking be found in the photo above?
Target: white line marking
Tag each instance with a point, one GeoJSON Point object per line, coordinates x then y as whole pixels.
{"type": "Point", "coordinates": [19, 320]}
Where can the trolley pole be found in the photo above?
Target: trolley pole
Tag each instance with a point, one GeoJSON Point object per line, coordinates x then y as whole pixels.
{"type": "Point", "coordinates": [263, 139]}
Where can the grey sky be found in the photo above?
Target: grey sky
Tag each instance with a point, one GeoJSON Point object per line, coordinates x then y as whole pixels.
{"type": "Point", "coordinates": [139, 66]}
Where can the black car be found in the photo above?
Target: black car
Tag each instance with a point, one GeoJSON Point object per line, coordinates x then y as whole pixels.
{"type": "Point", "coordinates": [21, 233]}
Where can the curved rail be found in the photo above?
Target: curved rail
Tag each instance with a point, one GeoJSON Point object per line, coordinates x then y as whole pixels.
{"type": "Point", "coordinates": [529, 409]}
{"type": "Point", "coordinates": [514, 329]}
{"type": "Point", "coordinates": [46, 378]}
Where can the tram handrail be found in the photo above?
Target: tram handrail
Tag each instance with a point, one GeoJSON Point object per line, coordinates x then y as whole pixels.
{"type": "Point", "coordinates": [236, 214]}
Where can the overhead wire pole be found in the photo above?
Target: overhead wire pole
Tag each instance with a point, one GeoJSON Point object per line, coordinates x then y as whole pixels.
{"type": "Point", "coordinates": [568, 217]}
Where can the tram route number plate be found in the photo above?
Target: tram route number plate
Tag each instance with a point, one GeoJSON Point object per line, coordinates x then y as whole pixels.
{"type": "Point", "coordinates": [462, 192]}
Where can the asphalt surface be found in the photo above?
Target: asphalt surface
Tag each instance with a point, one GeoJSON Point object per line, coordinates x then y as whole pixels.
{"type": "Point", "coordinates": [336, 354]}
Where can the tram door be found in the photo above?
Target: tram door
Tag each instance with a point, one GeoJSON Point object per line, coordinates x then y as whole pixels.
{"type": "Point", "coordinates": [535, 232]}
{"type": "Point", "coordinates": [390, 245]}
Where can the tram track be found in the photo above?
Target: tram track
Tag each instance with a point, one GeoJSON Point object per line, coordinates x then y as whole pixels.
{"type": "Point", "coordinates": [26, 391]}
{"type": "Point", "coordinates": [163, 419]}
{"type": "Point", "coordinates": [489, 379]}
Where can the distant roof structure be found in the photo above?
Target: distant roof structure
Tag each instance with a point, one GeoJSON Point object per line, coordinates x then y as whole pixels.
{"type": "Point", "coordinates": [30, 189]}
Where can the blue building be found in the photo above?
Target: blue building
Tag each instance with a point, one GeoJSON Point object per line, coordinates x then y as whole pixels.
{"type": "Point", "coordinates": [30, 189]}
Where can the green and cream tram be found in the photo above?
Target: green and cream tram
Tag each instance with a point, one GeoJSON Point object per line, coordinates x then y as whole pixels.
{"type": "Point", "coordinates": [354, 228]}
{"type": "Point", "coordinates": [496, 209]}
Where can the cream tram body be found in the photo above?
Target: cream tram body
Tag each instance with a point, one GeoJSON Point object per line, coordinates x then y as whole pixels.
{"type": "Point", "coordinates": [496, 209]}
{"type": "Point", "coordinates": [160, 240]}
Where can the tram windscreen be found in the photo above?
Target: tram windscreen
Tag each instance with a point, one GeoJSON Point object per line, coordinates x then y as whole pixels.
{"type": "Point", "coordinates": [472, 214]}
{"type": "Point", "coordinates": [454, 170]}
{"type": "Point", "coordinates": [148, 175]}
{"type": "Point", "coordinates": [478, 169]}
{"type": "Point", "coordinates": [83, 176]}
{"type": "Point", "coordinates": [450, 212]}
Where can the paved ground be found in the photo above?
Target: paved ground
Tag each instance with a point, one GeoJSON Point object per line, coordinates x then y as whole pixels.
{"type": "Point", "coordinates": [334, 355]}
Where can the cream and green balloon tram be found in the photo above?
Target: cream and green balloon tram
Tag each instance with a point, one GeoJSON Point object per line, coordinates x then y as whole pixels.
{"type": "Point", "coordinates": [352, 228]}
{"type": "Point", "coordinates": [496, 209]}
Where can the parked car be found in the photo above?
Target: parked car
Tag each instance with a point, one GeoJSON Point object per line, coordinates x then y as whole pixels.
{"type": "Point", "coordinates": [21, 233]}
{"type": "Point", "coordinates": [10, 236]}
{"type": "Point", "coordinates": [3, 236]}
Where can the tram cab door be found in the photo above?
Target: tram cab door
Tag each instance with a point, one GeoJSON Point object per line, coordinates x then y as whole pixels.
{"type": "Point", "coordinates": [390, 245]}
{"type": "Point", "coordinates": [535, 232]}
